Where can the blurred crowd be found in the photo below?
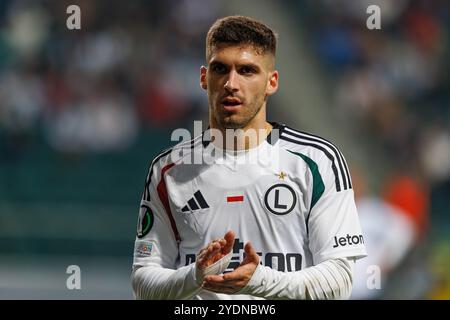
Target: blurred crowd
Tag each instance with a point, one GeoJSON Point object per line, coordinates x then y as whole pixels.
{"type": "Point", "coordinates": [92, 90]}
{"type": "Point", "coordinates": [393, 86]}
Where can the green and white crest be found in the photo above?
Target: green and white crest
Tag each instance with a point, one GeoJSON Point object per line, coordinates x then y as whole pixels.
{"type": "Point", "coordinates": [145, 222]}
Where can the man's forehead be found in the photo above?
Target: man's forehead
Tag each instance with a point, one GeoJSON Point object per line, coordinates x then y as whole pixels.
{"type": "Point", "coordinates": [244, 52]}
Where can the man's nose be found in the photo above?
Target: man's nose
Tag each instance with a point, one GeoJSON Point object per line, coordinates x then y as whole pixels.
{"type": "Point", "coordinates": [232, 84]}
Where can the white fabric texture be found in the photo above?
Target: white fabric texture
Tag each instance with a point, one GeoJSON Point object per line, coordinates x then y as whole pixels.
{"type": "Point", "coordinates": [331, 279]}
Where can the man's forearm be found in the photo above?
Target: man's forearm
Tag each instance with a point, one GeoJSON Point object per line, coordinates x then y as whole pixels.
{"type": "Point", "coordinates": [331, 279]}
{"type": "Point", "coordinates": [152, 282]}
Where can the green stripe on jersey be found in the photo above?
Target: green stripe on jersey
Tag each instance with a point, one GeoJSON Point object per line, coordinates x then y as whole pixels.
{"type": "Point", "coordinates": [318, 186]}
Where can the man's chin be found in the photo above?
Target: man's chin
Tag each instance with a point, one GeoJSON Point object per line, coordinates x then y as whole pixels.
{"type": "Point", "coordinates": [230, 123]}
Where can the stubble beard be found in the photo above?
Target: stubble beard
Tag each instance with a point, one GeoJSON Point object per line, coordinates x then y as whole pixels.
{"type": "Point", "coordinates": [238, 121]}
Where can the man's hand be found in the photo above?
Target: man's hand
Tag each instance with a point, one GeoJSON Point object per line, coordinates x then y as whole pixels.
{"type": "Point", "coordinates": [234, 281]}
{"type": "Point", "coordinates": [213, 252]}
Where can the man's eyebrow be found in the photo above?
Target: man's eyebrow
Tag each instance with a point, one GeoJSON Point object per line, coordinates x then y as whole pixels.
{"type": "Point", "coordinates": [249, 64]}
{"type": "Point", "coordinates": [243, 64]}
{"type": "Point", "coordinates": [217, 62]}
{"type": "Point", "coordinates": [239, 65]}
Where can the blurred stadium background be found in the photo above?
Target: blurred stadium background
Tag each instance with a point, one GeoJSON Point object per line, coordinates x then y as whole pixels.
{"type": "Point", "coordinates": [82, 112]}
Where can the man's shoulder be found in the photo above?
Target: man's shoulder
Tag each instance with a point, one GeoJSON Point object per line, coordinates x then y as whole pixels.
{"type": "Point", "coordinates": [177, 152]}
{"type": "Point", "coordinates": [308, 144]}
{"type": "Point", "coordinates": [319, 153]}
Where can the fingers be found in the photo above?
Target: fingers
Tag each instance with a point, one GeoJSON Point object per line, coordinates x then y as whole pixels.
{"type": "Point", "coordinates": [231, 276]}
{"type": "Point", "coordinates": [251, 255]}
{"type": "Point", "coordinates": [214, 278]}
{"type": "Point", "coordinates": [219, 284]}
{"type": "Point", "coordinates": [215, 250]}
{"type": "Point", "coordinates": [224, 284]}
{"type": "Point", "coordinates": [229, 238]}
{"type": "Point", "coordinates": [206, 255]}
{"type": "Point", "coordinates": [227, 289]}
{"type": "Point", "coordinates": [233, 281]}
{"type": "Point", "coordinates": [221, 241]}
{"type": "Point", "coordinates": [236, 275]}
{"type": "Point", "coordinates": [248, 248]}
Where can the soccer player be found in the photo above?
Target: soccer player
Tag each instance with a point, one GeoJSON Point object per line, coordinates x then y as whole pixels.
{"type": "Point", "coordinates": [271, 217]}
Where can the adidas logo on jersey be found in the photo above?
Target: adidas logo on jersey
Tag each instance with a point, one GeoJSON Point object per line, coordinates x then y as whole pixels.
{"type": "Point", "coordinates": [197, 202]}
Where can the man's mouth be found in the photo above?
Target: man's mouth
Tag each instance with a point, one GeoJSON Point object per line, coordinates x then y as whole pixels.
{"type": "Point", "coordinates": [230, 102]}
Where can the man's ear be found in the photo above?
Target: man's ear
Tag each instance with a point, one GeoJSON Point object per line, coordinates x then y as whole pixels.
{"type": "Point", "coordinates": [272, 84]}
{"type": "Point", "coordinates": [203, 82]}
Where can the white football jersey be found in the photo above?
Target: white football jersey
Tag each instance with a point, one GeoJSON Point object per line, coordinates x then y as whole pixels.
{"type": "Point", "coordinates": [291, 197]}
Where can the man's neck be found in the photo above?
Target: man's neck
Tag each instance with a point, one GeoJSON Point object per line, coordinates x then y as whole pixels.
{"type": "Point", "coordinates": [248, 137]}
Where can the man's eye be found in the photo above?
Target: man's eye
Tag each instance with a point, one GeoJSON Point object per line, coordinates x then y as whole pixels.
{"type": "Point", "coordinates": [218, 69]}
{"type": "Point", "coordinates": [247, 70]}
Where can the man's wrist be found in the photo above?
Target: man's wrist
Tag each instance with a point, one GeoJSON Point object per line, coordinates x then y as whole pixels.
{"type": "Point", "coordinates": [217, 267]}
{"type": "Point", "coordinates": [196, 274]}
{"type": "Point", "coordinates": [255, 281]}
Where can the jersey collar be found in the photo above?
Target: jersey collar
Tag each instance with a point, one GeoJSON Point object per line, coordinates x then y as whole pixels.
{"type": "Point", "coordinates": [271, 138]}
{"type": "Point", "coordinates": [275, 133]}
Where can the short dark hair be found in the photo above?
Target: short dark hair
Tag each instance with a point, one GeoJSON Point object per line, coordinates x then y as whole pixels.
{"type": "Point", "coordinates": [237, 30]}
